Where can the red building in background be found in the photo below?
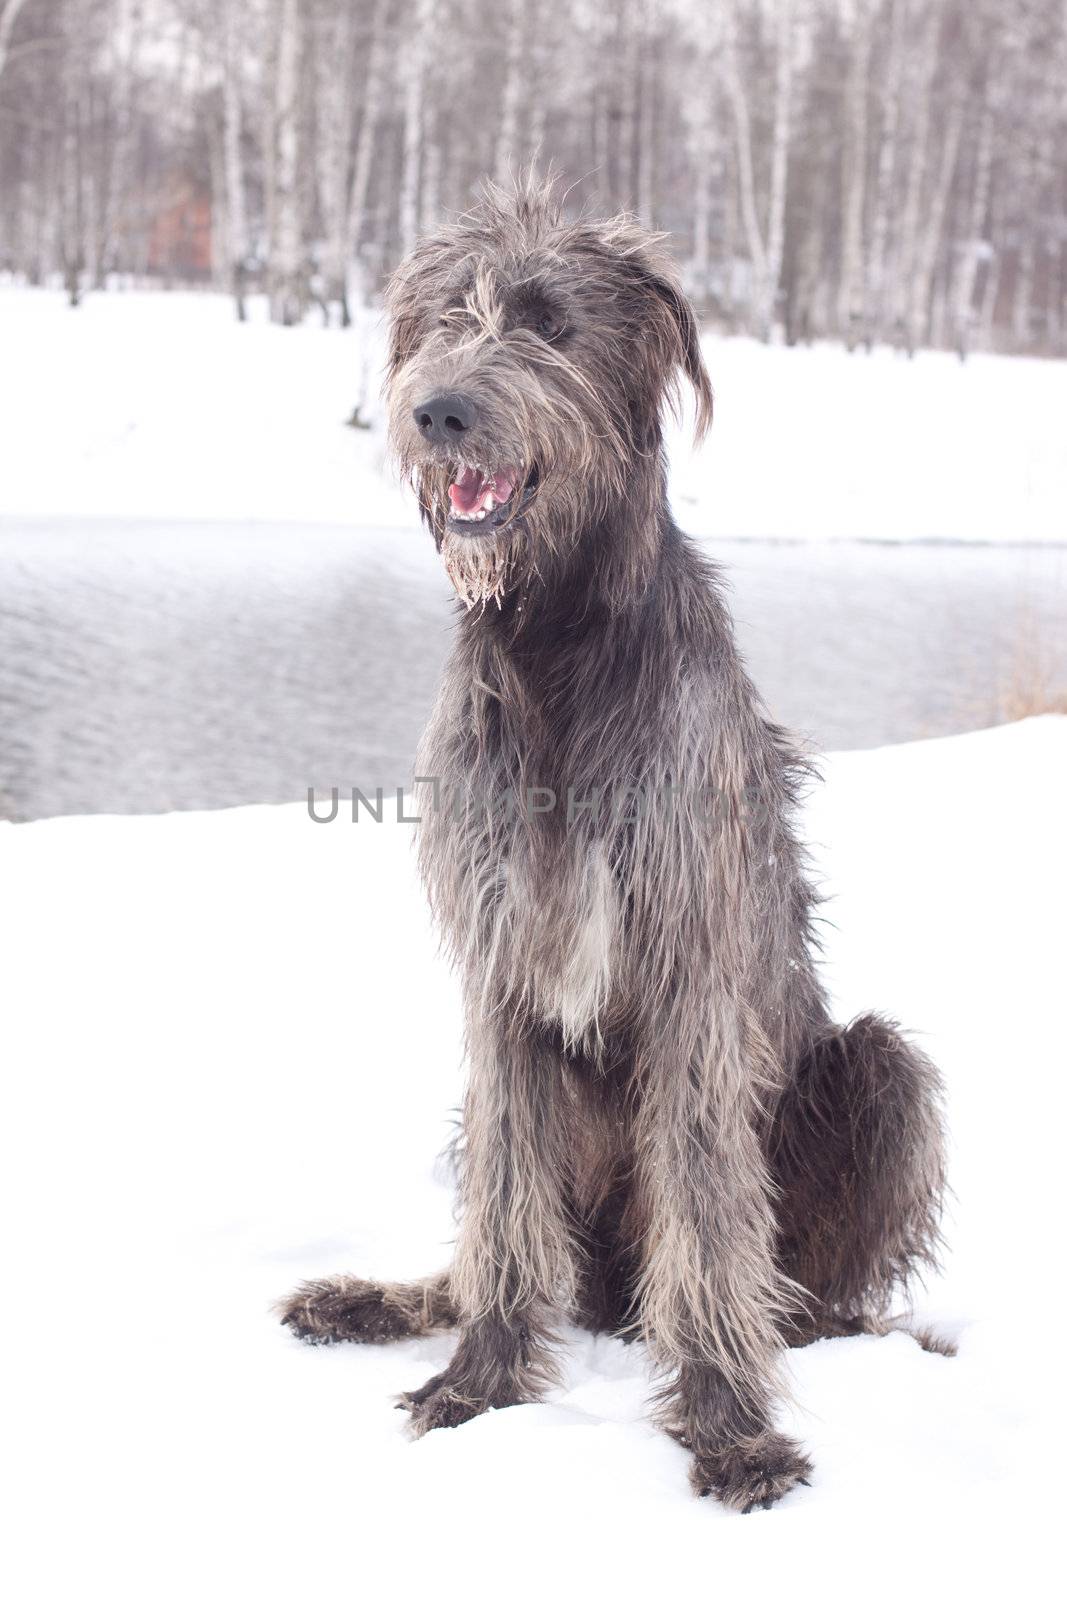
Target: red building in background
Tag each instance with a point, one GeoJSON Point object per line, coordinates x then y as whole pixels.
{"type": "Point", "coordinates": [179, 244]}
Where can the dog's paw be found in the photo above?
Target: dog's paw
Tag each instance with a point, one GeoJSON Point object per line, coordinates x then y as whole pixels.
{"type": "Point", "coordinates": [439, 1404]}
{"type": "Point", "coordinates": [755, 1472]}
{"type": "Point", "coordinates": [330, 1310]}
{"type": "Point", "coordinates": [446, 1401]}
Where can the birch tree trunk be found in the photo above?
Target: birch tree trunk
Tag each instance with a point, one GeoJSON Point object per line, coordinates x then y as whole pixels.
{"type": "Point", "coordinates": [600, 102]}
{"type": "Point", "coordinates": [507, 143]}
{"type": "Point", "coordinates": [116, 165]}
{"type": "Point", "coordinates": [964, 311]}
{"type": "Point", "coordinates": [766, 257]}
{"type": "Point", "coordinates": [783, 102]}
{"type": "Point", "coordinates": [924, 56]}
{"type": "Point", "coordinates": [71, 226]}
{"type": "Point", "coordinates": [987, 315]}
{"type": "Point", "coordinates": [287, 288]}
{"type": "Point", "coordinates": [876, 308]}
{"type": "Point", "coordinates": [926, 262]}
{"type": "Point", "coordinates": [414, 87]}
{"type": "Point", "coordinates": [645, 120]}
{"type": "Point", "coordinates": [1022, 298]}
{"type": "Point", "coordinates": [232, 159]}
{"type": "Point", "coordinates": [538, 81]}
{"type": "Point", "coordinates": [621, 147]}
{"type": "Point", "coordinates": [9, 15]}
{"type": "Point", "coordinates": [1057, 301]}
{"type": "Point", "coordinates": [334, 73]}
{"type": "Point", "coordinates": [367, 137]}
{"type": "Point", "coordinates": [75, 219]}
{"type": "Point", "coordinates": [850, 288]}
{"type": "Point", "coordinates": [90, 161]}
{"type": "Point", "coordinates": [746, 175]}
{"type": "Point", "coordinates": [702, 148]}
{"type": "Point", "coordinates": [430, 206]}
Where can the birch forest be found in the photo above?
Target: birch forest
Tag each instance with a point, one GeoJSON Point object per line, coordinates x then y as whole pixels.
{"type": "Point", "coordinates": [862, 170]}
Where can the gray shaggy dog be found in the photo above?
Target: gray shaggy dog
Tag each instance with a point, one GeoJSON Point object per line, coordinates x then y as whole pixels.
{"type": "Point", "coordinates": [664, 1133]}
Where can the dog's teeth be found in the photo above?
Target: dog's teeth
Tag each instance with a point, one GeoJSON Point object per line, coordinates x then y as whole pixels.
{"type": "Point", "coordinates": [490, 503]}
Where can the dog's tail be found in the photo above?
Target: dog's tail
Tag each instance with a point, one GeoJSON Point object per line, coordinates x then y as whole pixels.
{"type": "Point", "coordinates": [857, 1156]}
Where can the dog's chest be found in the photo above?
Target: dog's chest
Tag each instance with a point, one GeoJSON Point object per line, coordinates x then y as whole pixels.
{"type": "Point", "coordinates": [574, 952]}
{"type": "Point", "coordinates": [548, 932]}
{"type": "Point", "coordinates": [529, 896]}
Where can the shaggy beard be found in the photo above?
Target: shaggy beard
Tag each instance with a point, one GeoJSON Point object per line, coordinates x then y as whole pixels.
{"type": "Point", "coordinates": [481, 570]}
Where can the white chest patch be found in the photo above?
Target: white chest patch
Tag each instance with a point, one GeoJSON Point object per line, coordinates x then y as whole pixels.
{"type": "Point", "coordinates": [573, 988]}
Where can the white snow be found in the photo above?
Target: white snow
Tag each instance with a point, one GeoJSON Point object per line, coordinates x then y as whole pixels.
{"type": "Point", "coordinates": [232, 1052]}
{"type": "Point", "coordinates": [161, 405]}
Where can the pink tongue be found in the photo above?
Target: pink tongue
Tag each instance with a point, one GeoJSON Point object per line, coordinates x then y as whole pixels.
{"type": "Point", "coordinates": [471, 489]}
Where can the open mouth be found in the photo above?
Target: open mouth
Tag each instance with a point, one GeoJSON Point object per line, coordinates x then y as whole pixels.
{"type": "Point", "coordinates": [481, 502]}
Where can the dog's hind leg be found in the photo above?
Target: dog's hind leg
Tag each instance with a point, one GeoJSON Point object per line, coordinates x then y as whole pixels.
{"type": "Point", "coordinates": [855, 1150]}
{"type": "Point", "coordinates": [330, 1310]}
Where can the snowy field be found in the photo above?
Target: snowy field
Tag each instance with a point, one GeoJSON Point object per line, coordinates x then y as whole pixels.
{"type": "Point", "coordinates": [232, 1055]}
{"type": "Point", "coordinates": [161, 406]}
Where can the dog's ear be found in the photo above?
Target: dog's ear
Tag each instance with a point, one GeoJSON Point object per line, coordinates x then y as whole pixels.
{"type": "Point", "coordinates": [673, 329]}
{"type": "Point", "coordinates": [690, 359]}
{"type": "Point", "coordinates": [676, 330]}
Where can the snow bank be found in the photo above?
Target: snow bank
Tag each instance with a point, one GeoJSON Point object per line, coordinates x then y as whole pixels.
{"type": "Point", "coordinates": [152, 405]}
{"type": "Point", "coordinates": [232, 1057]}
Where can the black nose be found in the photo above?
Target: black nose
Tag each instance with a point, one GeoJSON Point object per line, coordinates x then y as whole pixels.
{"type": "Point", "coordinates": [444, 418]}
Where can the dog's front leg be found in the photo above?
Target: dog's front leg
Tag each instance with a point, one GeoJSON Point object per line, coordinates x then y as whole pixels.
{"type": "Point", "coordinates": [514, 1258]}
{"type": "Point", "coordinates": [711, 1298]}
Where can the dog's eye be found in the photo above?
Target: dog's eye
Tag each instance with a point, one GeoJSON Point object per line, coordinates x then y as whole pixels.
{"type": "Point", "coordinates": [549, 326]}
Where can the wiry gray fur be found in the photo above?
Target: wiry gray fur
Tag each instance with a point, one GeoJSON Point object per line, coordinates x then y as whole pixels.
{"type": "Point", "coordinates": [664, 1133]}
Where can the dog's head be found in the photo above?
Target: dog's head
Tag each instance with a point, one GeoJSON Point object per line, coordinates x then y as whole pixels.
{"type": "Point", "coordinates": [530, 360]}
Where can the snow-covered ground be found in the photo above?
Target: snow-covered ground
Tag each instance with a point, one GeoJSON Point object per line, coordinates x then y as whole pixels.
{"type": "Point", "coordinates": [162, 406]}
{"type": "Point", "coordinates": [231, 1056]}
